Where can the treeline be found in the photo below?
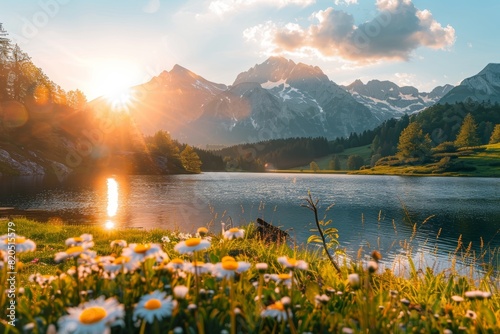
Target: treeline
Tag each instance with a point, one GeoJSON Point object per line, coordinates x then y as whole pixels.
{"type": "Point", "coordinates": [274, 154]}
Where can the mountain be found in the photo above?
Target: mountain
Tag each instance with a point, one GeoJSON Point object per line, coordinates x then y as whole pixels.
{"type": "Point", "coordinates": [484, 86]}
{"type": "Point", "coordinates": [168, 101]}
{"type": "Point", "coordinates": [279, 99]}
{"type": "Point", "coordinates": [386, 99]}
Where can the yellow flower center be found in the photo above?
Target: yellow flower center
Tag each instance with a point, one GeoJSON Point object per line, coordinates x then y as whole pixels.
{"type": "Point", "coordinates": [152, 304]}
{"type": "Point", "coordinates": [228, 258]}
{"type": "Point", "coordinates": [121, 260]}
{"type": "Point", "coordinates": [142, 248]}
{"type": "Point", "coordinates": [78, 239]}
{"type": "Point", "coordinates": [74, 250]}
{"type": "Point", "coordinates": [234, 230]}
{"type": "Point", "coordinates": [177, 261]}
{"type": "Point", "coordinates": [284, 276]}
{"type": "Point", "coordinates": [230, 265]}
{"type": "Point", "coordinates": [192, 242]}
{"type": "Point", "coordinates": [198, 263]}
{"type": "Point", "coordinates": [277, 306]}
{"type": "Point", "coordinates": [92, 315]}
{"type": "Point", "coordinates": [202, 230]}
{"type": "Point", "coordinates": [292, 262]}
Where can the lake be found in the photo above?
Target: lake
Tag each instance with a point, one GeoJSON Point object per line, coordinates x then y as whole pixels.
{"type": "Point", "coordinates": [387, 213]}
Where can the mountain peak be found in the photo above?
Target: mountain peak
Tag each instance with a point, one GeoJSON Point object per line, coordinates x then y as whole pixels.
{"type": "Point", "coordinates": [490, 68]}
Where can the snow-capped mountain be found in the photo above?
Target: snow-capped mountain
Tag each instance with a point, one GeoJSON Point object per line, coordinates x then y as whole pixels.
{"type": "Point", "coordinates": [484, 86]}
{"type": "Point", "coordinates": [385, 99]}
{"type": "Point", "coordinates": [280, 99]}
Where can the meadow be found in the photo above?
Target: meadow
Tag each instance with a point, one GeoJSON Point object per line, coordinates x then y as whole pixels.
{"type": "Point", "coordinates": [86, 279]}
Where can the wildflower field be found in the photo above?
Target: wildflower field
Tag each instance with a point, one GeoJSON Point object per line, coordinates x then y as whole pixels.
{"type": "Point", "coordinates": [72, 279]}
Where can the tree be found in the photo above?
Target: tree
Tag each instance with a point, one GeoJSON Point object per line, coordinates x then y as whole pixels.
{"type": "Point", "coordinates": [413, 143]}
{"type": "Point", "coordinates": [190, 160]}
{"type": "Point", "coordinates": [76, 99]}
{"type": "Point", "coordinates": [354, 162]}
{"type": "Point", "coordinates": [467, 136]}
{"type": "Point", "coordinates": [314, 166]}
{"type": "Point", "coordinates": [495, 136]}
{"type": "Point", "coordinates": [334, 163]}
{"type": "Point", "coordinates": [4, 63]}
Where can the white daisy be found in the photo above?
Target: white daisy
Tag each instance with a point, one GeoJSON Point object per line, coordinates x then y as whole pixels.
{"type": "Point", "coordinates": [181, 291]}
{"type": "Point", "coordinates": [141, 252]}
{"type": "Point", "coordinates": [71, 252]}
{"type": "Point", "coordinates": [202, 231]}
{"type": "Point", "coordinates": [22, 244]}
{"type": "Point", "coordinates": [175, 264]}
{"type": "Point", "coordinates": [228, 268]}
{"type": "Point", "coordinates": [197, 267]}
{"type": "Point", "coordinates": [457, 299]}
{"type": "Point", "coordinates": [95, 316]}
{"type": "Point", "coordinates": [353, 280]}
{"type": "Point", "coordinates": [125, 263]}
{"type": "Point", "coordinates": [191, 245]}
{"type": "Point", "coordinates": [234, 233]}
{"type": "Point", "coordinates": [85, 240]}
{"type": "Point", "coordinates": [165, 239]}
{"type": "Point", "coordinates": [292, 263]}
{"type": "Point", "coordinates": [118, 243]}
{"type": "Point", "coordinates": [285, 279]}
{"type": "Point", "coordinates": [42, 280]}
{"type": "Point", "coordinates": [154, 305]}
{"type": "Point", "coordinates": [277, 311]}
{"type": "Point", "coordinates": [261, 267]}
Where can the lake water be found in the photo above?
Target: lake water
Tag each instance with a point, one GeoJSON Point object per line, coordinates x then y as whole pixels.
{"type": "Point", "coordinates": [373, 212]}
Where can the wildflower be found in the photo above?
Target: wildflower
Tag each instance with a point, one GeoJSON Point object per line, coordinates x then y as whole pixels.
{"type": "Point", "coordinates": [154, 305]}
{"type": "Point", "coordinates": [191, 245]}
{"type": "Point", "coordinates": [372, 266]}
{"type": "Point", "coordinates": [141, 252]}
{"type": "Point", "coordinates": [277, 311]}
{"type": "Point", "coordinates": [175, 264]}
{"type": "Point", "coordinates": [457, 299]}
{"type": "Point", "coordinates": [447, 331]}
{"type": "Point", "coordinates": [471, 314]}
{"type": "Point", "coordinates": [95, 316]}
{"type": "Point", "coordinates": [192, 307]}
{"type": "Point", "coordinates": [118, 243]}
{"type": "Point", "coordinates": [29, 327]}
{"type": "Point", "coordinates": [85, 240]}
{"type": "Point", "coordinates": [353, 280]}
{"type": "Point", "coordinates": [42, 280]}
{"type": "Point", "coordinates": [71, 252]}
{"type": "Point", "coordinates": [22, 244]}
{"type": "Point", "coordinates": [178, 330]}
{"type": "Point", "coordinates": [261, 267]}
{"type": "Point", "coordinates": [228, 268]}
{"type": "Point", "coordinates": [394, 293]}
{"type": "Point", "coordinates": [405, 301]}
{"type": "Point", "coordinates": [321, 299]}
{"type": "Point", "coordinates": [121, 263]}
{"type": "Point", "coordinates": [181, 291]}
{"type": "Point", "coordinates": [285, 279]}
{"type": "Point", "coordinates": [234, 233]}
{"type": "Point", "coordinates": [292, 263]}
{"type": "Point", "coordinates": [347, 330]}
{"type": "Point", "coordinates": [202, 231]}
{"type": "Point", "coordinates": [165, 239]}
{"type": "Point", "coordinates": [376, 256]}
{"type": "Point", "coordinates": [198, 267]}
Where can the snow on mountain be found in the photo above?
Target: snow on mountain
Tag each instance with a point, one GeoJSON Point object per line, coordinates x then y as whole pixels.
{"type": "Point", "coordinates": [484, 86]}
{"type": "Point", "coordinates": [386, 99]}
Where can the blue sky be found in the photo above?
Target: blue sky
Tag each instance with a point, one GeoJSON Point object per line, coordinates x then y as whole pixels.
{"type": "Point", "coordinates": [103, 46]}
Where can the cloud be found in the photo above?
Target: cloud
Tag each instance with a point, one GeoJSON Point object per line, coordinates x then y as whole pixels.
{"type": "Point", "coordinates": [345, 2]}
{"type": "Point", "coordinates": [222, 7]}
{"type": "Point", "coordinates": [397, 30]}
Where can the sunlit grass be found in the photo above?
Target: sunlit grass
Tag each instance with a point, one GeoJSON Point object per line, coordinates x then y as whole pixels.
{"type": "Point", "coordinates": [324, 301]}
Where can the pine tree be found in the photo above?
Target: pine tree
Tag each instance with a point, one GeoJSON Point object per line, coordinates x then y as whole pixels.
{"type": "Point", "coordinates": [355, 162]}
{"type": "Point", "coordinates": [413, 143]}
{"type": "Point", "coordinates": [334, 163]}
{"type": "Point", "coordinates": [314, 166]}
{"type": "Point", "coordinates": [467, 136]}
{"type": "Point", "coordinates": [495, 135]}
{"type": "Point", "coordinates": [190, 160]}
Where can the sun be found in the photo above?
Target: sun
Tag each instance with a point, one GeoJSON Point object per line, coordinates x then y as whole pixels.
{"type": "Point", "coordinates": [113, 79]}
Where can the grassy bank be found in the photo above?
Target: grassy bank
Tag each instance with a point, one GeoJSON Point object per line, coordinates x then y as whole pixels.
{"type": "Point", "coordinates": [222, 294]}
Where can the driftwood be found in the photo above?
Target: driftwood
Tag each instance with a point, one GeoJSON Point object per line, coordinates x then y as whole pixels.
{"type": "Point", "coordinates": [270, 233]}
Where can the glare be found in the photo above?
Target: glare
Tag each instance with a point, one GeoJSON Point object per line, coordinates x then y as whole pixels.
{"type": "Point", "coordinates": [112, 197]}
{"type": "Point", "coordinates": [120, 100]}
{"type": "Point", "coordinates": [109, 225]}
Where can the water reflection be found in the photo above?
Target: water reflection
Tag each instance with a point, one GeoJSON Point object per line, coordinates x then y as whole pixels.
{"type": "Point", "coordinates": [112, 208]}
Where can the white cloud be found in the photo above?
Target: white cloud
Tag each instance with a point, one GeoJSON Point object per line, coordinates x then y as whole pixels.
{"type": "Point", "coordinates": [397, 30]}
{"type": "Point", "coordinates": [345, 2]}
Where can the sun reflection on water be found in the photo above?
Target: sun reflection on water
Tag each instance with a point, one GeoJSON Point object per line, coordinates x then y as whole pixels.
{"type": "Point", "coordinates": [112, 208]}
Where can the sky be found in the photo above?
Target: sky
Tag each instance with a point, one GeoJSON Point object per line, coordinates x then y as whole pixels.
{"type": "Point", "coordinates": [102, 47]}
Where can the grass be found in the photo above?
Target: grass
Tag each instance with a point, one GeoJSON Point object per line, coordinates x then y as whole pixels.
{"type": "Point", "coordinates": [323, 163]}
{"type": "Point", "coordinates": [320, 300]}
{"type": "Point", "coordinates": [483, 161]}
